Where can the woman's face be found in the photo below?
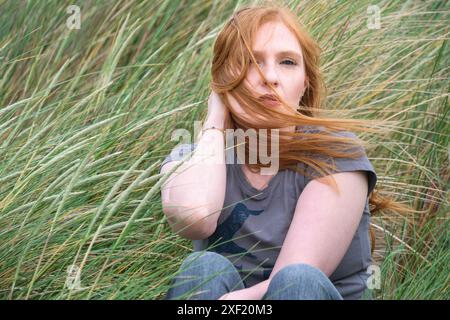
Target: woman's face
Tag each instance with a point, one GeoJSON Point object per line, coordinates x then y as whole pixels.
{"type": "Point", "coordinates": [280, 58]}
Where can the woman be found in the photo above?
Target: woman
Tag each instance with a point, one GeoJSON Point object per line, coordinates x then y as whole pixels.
{"type": "Point", "coordinates": [299, 233]}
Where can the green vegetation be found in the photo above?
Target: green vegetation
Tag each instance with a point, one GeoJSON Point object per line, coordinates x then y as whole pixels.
{"type": "Point", "coordinates": [86, 117]}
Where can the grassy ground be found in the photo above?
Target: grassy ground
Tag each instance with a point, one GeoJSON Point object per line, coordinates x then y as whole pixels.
{"type": "Point", "coordinates": [86, 116]}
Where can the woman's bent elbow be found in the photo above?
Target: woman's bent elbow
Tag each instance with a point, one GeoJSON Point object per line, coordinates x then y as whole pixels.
{"type": "Point", "coordinates": [189, 224]}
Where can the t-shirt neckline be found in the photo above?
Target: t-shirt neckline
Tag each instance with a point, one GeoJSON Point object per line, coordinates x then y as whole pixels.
{"type": "Point", "coordinates": [252, 191]}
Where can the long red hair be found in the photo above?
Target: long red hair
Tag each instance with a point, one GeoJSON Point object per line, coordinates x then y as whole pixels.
{"type": "Point", "coordinates": [231, 58]}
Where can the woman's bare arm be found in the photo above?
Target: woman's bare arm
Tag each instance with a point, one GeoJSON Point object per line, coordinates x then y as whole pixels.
{"type": "Point", "coordinates": [324, 222]}
{"type": "Point", "coordinates": [193, 196]}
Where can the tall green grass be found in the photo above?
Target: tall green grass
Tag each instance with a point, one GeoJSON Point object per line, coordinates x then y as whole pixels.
{"type": "Point", "coordinates": [86, 117]}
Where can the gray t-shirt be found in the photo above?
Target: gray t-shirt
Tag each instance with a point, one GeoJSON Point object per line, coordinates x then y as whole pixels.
{"type": "Point", "coordinates": [253, 223]}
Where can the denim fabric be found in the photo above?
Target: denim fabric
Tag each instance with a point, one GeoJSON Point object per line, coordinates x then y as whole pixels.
{"type": "Point", "coordinates": [301, 281]}
{"type": "Point", "coordinates": [206, 275]}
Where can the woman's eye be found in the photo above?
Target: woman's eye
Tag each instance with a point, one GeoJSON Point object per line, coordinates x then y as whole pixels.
{"type": "Point", "coordinates": [288, 62]}
{"type": "Point", "coordinates": [292, 63]}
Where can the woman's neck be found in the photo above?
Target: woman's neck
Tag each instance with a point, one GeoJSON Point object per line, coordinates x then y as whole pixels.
{"type": "Point", "coordinates": [256, 179]}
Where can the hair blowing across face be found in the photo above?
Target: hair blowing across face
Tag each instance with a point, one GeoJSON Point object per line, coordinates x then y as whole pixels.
{"type": "Point", "coordinates": [231, 58]}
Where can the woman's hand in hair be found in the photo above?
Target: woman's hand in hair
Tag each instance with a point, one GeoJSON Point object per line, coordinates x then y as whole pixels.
{"type": "Point", "coordinates": [218, 114]}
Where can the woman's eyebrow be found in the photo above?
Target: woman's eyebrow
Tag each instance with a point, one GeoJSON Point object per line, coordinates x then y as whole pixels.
{"type": "Point", "coordinates": [281, 53]}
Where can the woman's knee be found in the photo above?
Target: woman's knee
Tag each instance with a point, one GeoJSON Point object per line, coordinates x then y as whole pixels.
{"type": "Point", "coordinates": [208, 273]}
{"type": "Point", "coordinates": [299, 272]}
{"type": "Point", "coordinates": [301, 276]}
{"type": "Point", "coordinates": [207, 262]}
{"type": "Point", "coordinates": [207, 258]}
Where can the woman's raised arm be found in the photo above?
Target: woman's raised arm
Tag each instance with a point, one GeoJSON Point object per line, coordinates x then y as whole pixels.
{"type": "Point", "coordinates": [193, 196]}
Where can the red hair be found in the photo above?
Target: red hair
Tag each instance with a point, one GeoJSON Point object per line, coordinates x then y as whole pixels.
{"type": "Point", "coordinates": [231, 58]}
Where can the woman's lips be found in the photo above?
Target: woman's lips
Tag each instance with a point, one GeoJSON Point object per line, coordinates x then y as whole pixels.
{"type": "Point", "coordinates": [270, 100]}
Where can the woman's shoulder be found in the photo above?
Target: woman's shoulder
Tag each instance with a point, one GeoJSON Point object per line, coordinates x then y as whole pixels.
{"type": "Point", "coordinates": [342, 164]}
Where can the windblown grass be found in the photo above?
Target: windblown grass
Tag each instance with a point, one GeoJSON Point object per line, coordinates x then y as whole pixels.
{"type": "Point", "coordinates": [86, 117]}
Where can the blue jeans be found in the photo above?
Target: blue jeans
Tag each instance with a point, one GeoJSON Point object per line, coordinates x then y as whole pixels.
{"type": "Point", "coordinates": [206, 275]}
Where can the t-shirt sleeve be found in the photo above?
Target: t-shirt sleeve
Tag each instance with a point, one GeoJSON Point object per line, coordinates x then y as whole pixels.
{"type": "Point", "coordinates": [361, 163]}
{"type": "Point", "coordinates": [178, 153]}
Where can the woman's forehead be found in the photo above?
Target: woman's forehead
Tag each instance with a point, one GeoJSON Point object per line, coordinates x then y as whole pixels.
{"type": "Point", "coordinates": [275, 36]}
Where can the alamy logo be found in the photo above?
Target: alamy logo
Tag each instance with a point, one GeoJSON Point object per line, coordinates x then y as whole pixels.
{"type": "Point", "coordinates": [238, 135]}
{"type": "Point", "coordinates": [73, 280]}
{"type": "Point", "coordinates": [373, 21]}
{"type": "Point", "coordinates": [374, 280]}
{"type": "Point", "coordinates": [74, 20]}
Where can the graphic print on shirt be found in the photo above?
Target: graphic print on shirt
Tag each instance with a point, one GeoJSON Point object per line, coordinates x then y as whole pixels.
{"type": "Point", "coordinates": [268, 267]}
{"type": "Point", "coordinates": [226, 230]}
